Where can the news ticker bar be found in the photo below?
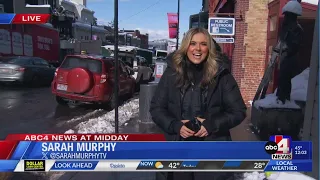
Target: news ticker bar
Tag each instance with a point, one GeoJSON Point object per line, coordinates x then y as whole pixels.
{"type": "Point", "coordinates": [161, 165]}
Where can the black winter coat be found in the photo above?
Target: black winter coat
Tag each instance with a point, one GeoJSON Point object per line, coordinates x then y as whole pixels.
{"type": "Point", "coordinates": [225, 106]}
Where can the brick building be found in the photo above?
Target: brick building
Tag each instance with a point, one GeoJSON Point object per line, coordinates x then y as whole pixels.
{"type": "Point", "coordinates": [143, 38]}
{"type": "Point", "coordinates": [249, 50]}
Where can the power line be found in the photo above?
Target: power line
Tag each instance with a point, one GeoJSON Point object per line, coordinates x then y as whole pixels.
{"type": "Point", "coordinates": [157, 2]}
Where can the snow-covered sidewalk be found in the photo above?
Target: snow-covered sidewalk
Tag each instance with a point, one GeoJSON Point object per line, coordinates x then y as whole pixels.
{"type": "Point", "coordinates": [277, 176]}
{"type": "Point", "coordinates": [105, 123]}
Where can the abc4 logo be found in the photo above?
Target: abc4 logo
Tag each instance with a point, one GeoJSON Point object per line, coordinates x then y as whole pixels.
{"type": "Point", "coordinates": [271, 147]}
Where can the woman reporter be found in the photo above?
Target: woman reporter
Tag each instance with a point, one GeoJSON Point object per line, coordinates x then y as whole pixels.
{"type": "Point", "coordinates": [197, 99]}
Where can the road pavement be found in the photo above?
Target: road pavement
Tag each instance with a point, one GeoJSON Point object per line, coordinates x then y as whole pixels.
{"type": "Point", "coordinates": [34, 110]}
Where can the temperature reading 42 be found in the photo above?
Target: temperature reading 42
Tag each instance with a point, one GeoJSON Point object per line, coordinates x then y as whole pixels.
{"type": "Point", "coordinates": [174, 165]}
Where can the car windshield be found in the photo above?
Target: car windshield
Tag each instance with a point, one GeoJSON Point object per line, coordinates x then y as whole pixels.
{"type": "Point", "coordinates": [13, 60]}
{"type": "Point", "coordinates": [162, 54]}
{"type": "Point", "coordinates": [92, 65]}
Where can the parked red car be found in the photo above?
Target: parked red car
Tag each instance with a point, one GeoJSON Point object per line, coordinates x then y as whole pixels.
{"type": "Point", "coordinates": [90, 79]}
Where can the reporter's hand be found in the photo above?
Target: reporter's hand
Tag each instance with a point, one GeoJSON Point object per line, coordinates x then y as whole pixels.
{"type": "Point", "coordinates": [200, 119]}
{"type": "Point", "coordinates": [184, 121]}
{"type": "Point", "coordinates": [202, 132]}
{"type": "Point", "coordinates": [186, 132]}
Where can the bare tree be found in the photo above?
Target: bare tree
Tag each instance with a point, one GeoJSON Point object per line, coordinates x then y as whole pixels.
{"type": "Point", "coordinates": [111, 24]}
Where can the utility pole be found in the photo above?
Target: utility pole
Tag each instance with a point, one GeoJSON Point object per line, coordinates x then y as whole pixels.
{"type": "Point", "coordinates": [91, 31]}
{"type": "Point", "coordinates": [116, 72]}
{"type": "Point", "coordinates": [177, 45]}
{"type": "Point", "coordinates": [199, 19]}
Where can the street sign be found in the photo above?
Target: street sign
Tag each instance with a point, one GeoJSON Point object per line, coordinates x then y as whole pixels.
{"type": "Point", "coordinates": [221, 26]}
{"type": "Point", "coordinates": [159, 70]}
{"type": "Point", "coordinates": [224, 40]}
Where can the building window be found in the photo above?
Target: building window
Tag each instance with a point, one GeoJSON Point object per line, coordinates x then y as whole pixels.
{"type": "Point", "coordinates": [272, 23]}
{"type": "Point", "coordinates": [81, 37]}
{"type": "Point", "coordinates": [13, 27]}
{"type": "Point", "coordinates": [1, 8]}
{"type": "Point", "coordinates": [42, 2]}
{"type": "Point", "coordinates": [25, 28]}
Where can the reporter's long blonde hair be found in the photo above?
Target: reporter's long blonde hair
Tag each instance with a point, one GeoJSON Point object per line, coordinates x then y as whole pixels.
{"type": "Point", "coordinates": [179, 58]}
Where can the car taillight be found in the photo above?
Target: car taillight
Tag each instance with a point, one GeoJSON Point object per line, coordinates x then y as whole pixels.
{"type": "Point", "coordinates": [56, 73]}
{"type": "Point", "coordinates": [20, 69]}
{"type": "Point", "coordinates": [103, 78]}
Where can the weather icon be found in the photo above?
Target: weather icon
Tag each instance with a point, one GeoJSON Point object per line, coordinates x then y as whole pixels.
{"type": "Point", "coordinates": [158, 165]}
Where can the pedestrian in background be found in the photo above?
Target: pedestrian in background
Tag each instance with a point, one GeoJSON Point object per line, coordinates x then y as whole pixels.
{"type": "Point", "coordinates": [197, 99]}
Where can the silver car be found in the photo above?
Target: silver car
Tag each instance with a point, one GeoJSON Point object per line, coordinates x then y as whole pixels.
{"type": "Point", "coordinates": [26, 70]}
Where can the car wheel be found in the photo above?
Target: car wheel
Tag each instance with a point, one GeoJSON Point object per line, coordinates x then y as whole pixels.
{"type": "Point", "coordinates": [61, 101]}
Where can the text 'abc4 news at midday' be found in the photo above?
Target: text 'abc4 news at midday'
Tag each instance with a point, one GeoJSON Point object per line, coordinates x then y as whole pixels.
{"type": "Point", "coordinates": [288, 155]}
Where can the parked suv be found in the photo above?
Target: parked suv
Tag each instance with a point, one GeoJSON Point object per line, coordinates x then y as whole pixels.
{"type": "Point", "coordinates": [90, 79]}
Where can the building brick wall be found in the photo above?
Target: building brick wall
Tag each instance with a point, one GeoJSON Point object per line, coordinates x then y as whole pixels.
{"type": "Point", "coordinates": [250, 45]}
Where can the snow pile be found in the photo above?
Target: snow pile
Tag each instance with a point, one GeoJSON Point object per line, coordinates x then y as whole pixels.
{"type": "Point", "coordinates": [300, 86]}
{"type": "Point", "coordinates": [271, 101]}
{"type": "Point", "coordinates": [277, 176]}
{"type": "Point", "coordinates": [299, 92]}
{"type": "Point", "coordinates": [105, 123]}
{"type": "Point", "coordinates": [254, 176]}
{"type": "Point", "coordinates": [314, 2]}
{"type": "Point", "coordinates": [44, 5]}
{"type": "Point", "coordinates": [292, 176]}
{"type": "Point", "coordinates": [94, 114]}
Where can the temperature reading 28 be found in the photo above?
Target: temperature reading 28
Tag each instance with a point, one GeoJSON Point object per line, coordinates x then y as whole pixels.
{"type": "Point", "coordinates": [258, 165]}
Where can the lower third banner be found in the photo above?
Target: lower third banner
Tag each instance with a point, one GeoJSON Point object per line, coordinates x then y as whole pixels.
{"type": "Point", "coordinates": [136, 165]}
{"type": "Point", "coordinates": [147, 150]}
